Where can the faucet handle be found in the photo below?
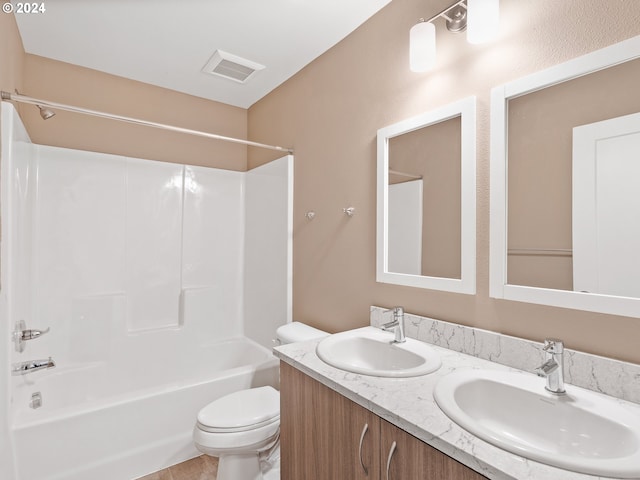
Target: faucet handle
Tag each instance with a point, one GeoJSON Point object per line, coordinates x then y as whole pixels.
{"type": "Point", "coordinates": [397, 311]}
{"type": "Point", "coordinates": [32, 333]}
{"type": "Point", "coordinates": [21, 334]}
{"type": "Point", "coordinates": [552, 345]}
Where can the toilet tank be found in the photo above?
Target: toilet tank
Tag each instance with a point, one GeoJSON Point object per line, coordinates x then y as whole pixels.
{"type": "Point", "coordinates": [297, 332]}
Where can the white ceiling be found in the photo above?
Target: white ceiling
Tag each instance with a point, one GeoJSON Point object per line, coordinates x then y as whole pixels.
{"type": "Point", "coordinates": [167, 42]}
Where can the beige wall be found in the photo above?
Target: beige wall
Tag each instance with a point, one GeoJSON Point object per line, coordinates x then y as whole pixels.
{"type": "Point", "coordinates": [69, 84]}
{"type": "Point", "coordinates": [330, 112]}
{"type": "Point", "coordinates": [65, 83]}
{"type": "Point", "coordinates": [11, 54]}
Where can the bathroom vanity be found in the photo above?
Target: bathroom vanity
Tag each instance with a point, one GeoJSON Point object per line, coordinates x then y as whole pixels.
{"type": "Point", "coordinates": [339, 424]}
{"type": "Point", "coordinates": [324, 435]}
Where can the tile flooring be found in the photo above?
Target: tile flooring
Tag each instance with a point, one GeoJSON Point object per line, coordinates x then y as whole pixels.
{"type": "Point", "coordinates": [198, 468]}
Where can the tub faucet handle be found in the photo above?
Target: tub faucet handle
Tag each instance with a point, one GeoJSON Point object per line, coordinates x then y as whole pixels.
{"type": "Point", "coordinates": [21, 334]}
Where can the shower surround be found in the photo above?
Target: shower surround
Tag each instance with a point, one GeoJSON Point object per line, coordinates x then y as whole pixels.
{"type": "Point", "coordinates": [162, 285]}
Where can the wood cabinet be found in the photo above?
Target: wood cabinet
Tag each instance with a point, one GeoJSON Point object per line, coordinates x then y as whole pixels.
{"type": "Point", "coordinates": [408, 458]}
{"type": "Point", "coordinates": [326, 436]}
{"type": "Point", "coordinates": [320, 432]}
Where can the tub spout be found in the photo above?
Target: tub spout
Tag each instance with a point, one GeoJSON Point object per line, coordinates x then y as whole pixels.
{"type": "Point", "coordinates": [32, 366]}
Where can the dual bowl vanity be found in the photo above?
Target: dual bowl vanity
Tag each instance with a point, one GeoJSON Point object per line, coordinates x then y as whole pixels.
{"type": "Point", "coordinates": [489, 420]}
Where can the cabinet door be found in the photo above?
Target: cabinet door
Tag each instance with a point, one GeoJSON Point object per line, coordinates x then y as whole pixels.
{"type": "Point", "coordinates": [412, 459]}
{"type": "Point", "coordinates": [321, 432]}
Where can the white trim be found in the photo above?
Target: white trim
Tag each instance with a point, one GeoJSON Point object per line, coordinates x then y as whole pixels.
{"type": "Point", "coordinates": [290, 198]}
{"type": "Point", "coordinates": [466, 109]}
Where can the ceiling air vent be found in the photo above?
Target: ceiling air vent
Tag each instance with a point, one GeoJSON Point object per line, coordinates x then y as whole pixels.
{"type": "Point", "coordinates": [231, 66]}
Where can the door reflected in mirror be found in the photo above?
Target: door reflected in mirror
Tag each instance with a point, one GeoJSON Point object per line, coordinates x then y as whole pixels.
{"type": "Point", "coordinates": [426, 200]}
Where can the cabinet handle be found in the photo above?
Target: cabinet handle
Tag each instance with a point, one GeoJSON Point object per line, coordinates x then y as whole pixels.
{"type": "Point", "coordinates": [364, 431]}
{"type": "Point", "coordinates": [391, 452]}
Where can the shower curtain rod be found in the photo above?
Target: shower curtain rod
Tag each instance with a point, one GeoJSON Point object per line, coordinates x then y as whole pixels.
{"type": "Point", "coordinates": [17, 97]}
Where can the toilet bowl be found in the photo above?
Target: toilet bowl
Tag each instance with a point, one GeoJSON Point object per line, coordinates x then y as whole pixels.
{"type": "Point", "coordinates": [237, 428]}
{"type": "Point", "coordinates": [240, 427]}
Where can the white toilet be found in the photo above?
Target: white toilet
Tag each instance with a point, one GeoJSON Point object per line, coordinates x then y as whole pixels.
{"type": "Point", "coordinates": [238, 427]}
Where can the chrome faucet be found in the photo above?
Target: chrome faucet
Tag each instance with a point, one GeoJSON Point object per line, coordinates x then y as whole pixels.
{"type": "Point", "coordinates": [31, 366]}
{"type": "Point", "coordinates": [397, 324]}
{"type": "Point", "coordinates": [553, 367]}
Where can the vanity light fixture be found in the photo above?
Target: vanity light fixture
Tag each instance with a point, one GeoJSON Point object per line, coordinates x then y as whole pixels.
{"type": "Point", "coordinates": [481, 16]}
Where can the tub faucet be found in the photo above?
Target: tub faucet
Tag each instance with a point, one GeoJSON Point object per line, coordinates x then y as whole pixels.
{"type": "Point", "coordinates": [397, 324]}
{"type": "Point", "coordinates": [553, 368]}
{"type": "Point", "coordinates": [31, 366]}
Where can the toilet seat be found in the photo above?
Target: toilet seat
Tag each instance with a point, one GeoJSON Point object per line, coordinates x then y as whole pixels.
{"type": "Point", "coordinates": [244, 441]}
{"type": "Point", "coordinates": [241, 411]}
{"type": "Point", "coordinates": [266, 423]}
{"type": "Point", "coordinates": [242, 420]}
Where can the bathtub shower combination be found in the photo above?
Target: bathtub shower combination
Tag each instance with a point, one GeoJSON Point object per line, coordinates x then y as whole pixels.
{"type": "Point", "coordinates": [161, 285]}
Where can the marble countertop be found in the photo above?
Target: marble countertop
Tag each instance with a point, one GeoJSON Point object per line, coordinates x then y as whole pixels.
{"type": "Point", "coordinates": [408, 403]}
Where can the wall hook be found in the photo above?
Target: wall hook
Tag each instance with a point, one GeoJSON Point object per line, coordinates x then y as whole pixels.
{"type": "Point", "coordinates": [349, 211]}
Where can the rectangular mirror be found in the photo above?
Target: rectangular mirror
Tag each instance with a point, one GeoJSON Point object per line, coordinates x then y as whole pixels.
{"type": "Point", "coordinates": [565, 174]}
{"type": "Point", "coordinates": [426, 200]}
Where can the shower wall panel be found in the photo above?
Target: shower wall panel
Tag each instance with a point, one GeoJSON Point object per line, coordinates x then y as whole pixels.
{"type": "Point", "coordinates": [79, 234]}
{"type": "Point", "coordinates": [154, 192]}
{"type": "Point", "coordinates": [268, 250]}
{"type": "Point", "coordinates": [213, 222]}
{"type": "Point", "coordinates": [14, 276]}
{"type": "Point", "coordinates": [126, 257]}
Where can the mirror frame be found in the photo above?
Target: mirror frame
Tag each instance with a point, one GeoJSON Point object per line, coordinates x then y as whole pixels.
{"type": "Point", "coordinates": [466, 109]}
{"type": "Point", "coordinates": [499, 288]}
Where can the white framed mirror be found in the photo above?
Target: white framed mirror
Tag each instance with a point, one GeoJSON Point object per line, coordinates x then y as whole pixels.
{"type": "Point", "coordinates": [426, 200]}
{"type": "Point", "coordinates": [565, 176]}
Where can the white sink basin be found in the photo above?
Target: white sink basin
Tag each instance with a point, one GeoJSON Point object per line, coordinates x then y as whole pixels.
{"type": "Point", "coordinates": [582, 431]}
{"type": "Point", "coordinates": [370, 351]}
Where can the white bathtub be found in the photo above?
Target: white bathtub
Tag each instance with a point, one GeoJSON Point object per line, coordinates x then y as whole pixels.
{"type": "Point", "coordinates": [93, 425]}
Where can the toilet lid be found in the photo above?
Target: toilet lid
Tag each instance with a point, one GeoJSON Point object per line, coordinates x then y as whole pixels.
{"type": "Point", "coordinates": [246, 408]}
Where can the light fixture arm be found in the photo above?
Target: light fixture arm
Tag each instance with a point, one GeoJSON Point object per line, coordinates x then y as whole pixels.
{"type": "Point", "coordinates": [444, 12]}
